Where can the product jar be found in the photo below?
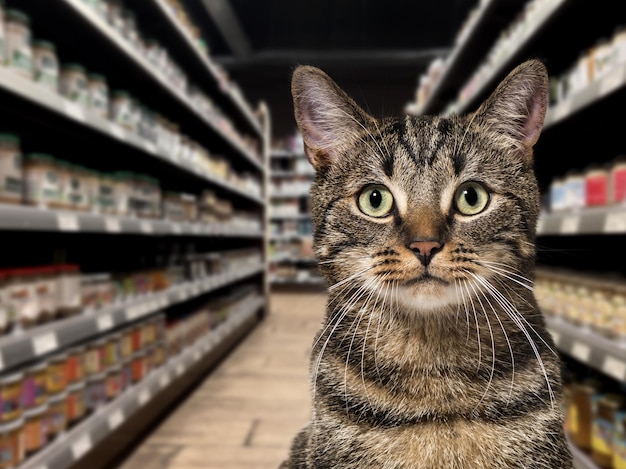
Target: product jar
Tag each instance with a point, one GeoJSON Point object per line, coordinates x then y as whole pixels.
{"type": "Point", "coordinates": [159, 354]}
{"type": "Point", "coordinates": [113, 384]}
{"type": "Point", "coordinates": [123, 192]}
{"type": "Point", "coordinates": [11, 397]}
{"type": "Point", "coordinates": [57, 374]}
{"type": "Point", "coordinates": [75, 367]}
{"type": "Point", "coordinates": [73, 83]}
{"type": "Point", "coordinates": [18, 54]}
{"type": "Point", "coordinates": [76, 402]}
{"type": "Point", "coordinates": [42, 181]}
{"type": "Point", "coordinates": [68, 288]}
{"type": "Point", "coordinates": [137, 338]}
{"type": "Point", "coordinates": [618, 181]}
{"type": "Point", "coordinates": [581, 412]}
{"type": "Point", "coordinates": [11, 444]}
{"type": "Point", "coordinates": [126, 374]}
{"type": "Point", "coordinates": [46, 291]}
{"type": "Point", "coordinates": [98, 95]}
{"type": "Point", "coordinates": [605, 407]}
{"type": "Point", "coordinates": [11, 178]}
{"type": "Point", "coordinates": [120, 109]}
{"type": "Point", "coordinates": [46, 65]}
{"type": "Point", "coordinates": [114, 14]}
{"type": "Point", "coordinates": [139, 368]}
{"type": "Point", "coordinates": [126, 343]}
{"type": "Point", "coordinates": [35, 429]}
{"type": "Point", "coordinates": [95, 392]}
{"type": "Point", "coordinates": [94, 358]}
{"type": "Point", "coordinates": [112, 350]}
{"type": "Point", "coordinates": [597, 186]}
{"type": "Point", "coordinates": [57, 414]}
{"type": "Point", "coordinates": [6, 321]}
{"type": "Point", "coordinates": [34, 386]}
{"type": "Point", "coordinates": [21, 296]}
{"type": "Point", "coordinates": [106, 193]}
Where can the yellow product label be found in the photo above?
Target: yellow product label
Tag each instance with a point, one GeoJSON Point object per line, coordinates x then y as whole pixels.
{"type": "Point", "coordinates": [619, 455]}
{"type": "Point", "coordinates": [573, 419]}
{"type": "Point", "coordinates": [601, 437]}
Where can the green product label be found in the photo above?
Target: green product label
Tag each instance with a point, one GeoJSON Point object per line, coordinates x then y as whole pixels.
{"type": "Point", "coordinates": [21, 60]}
{"type": "Point", "coordinates": [12, 185]}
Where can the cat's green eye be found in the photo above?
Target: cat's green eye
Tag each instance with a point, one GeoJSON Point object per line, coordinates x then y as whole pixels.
{"type": "Point", "coordinates": [471, 198]}
{"type": "Point", "coordinates": [376, 201]}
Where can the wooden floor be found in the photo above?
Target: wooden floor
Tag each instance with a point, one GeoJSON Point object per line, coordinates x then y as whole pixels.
{"type": "Point", "coordinates": [245, 414]}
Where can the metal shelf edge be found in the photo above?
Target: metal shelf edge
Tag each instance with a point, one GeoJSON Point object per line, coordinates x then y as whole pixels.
{"type": "Point", "coordinates": [62, 453]}
{"type": "Point", "coordinates": [49, 338]}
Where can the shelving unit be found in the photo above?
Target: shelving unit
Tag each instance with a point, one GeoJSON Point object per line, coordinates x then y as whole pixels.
{"type": "Point", "coordinates": [580, 130]}
{"type": "Point", "coordinates": [81, 439]}
{"type": "Point", "coordinates": [290, 264]}
{"type": "Point", "coordinates": [48, 121]}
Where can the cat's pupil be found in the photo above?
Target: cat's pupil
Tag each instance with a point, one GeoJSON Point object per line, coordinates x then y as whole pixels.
{"type": "Point", "coordinates": [376, 199]}
{"type": "Point", "coordinates": [471, 196]}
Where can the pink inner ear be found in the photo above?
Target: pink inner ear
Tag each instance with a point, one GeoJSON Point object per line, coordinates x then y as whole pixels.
{"type": "Point", "coordinates": [534, 123]}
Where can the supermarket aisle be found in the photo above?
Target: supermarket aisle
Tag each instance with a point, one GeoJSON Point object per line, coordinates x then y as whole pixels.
{"type": "Point", "coordinates": [247, 411]}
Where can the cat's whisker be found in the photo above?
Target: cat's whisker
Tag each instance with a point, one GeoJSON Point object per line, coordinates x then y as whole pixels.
{"type": "Point", "coordinates": [503, 272]}
{"type": "Point", "coordinates": [466, 131]}
{"type": "Point", "coordinates": [340, 316]}
{"type": "Point", "coordinates": [348, 279]}
{"type": "Point", "coordinates": [506, 337]}
{"type": "Point", "coordinates": [480, 354]}
{"type": "Point", "coordinates": [517, 318]}
{"type": "Point", "coordinates": [493, 345]}
{"type": "Point", "coordinates": [357, 321]}
{"type": "Point", "coordinates": [379, 315]}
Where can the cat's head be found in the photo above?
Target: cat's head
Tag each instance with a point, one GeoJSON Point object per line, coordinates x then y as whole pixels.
{"type": "Point", "coordinates": [427, 210]}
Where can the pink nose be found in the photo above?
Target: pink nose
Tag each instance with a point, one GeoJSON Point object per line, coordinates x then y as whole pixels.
{"type": "Point", "coordinates": [425, 250]}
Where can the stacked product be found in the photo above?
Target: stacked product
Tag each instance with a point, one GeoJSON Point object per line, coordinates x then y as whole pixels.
{"type": "Point", "coordinates": [596, 186]}
{"type": "Point", "coordinates": [41, 401]}
{"type": "Point", "coordinates": [37, 60]}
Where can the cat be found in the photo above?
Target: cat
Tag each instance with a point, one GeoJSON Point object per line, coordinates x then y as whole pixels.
{"type": "Point", "coordinates": [433, 352]}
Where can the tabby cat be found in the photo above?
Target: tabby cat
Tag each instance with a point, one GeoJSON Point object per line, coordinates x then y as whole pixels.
{"type": "Point", "coordinates": [433, 352]}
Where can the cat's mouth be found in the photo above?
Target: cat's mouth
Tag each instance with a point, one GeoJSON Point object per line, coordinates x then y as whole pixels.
{"type": "Point", "coordinates": [425, 278]}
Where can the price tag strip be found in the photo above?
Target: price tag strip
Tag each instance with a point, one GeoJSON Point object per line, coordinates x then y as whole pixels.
{"type": "Point", "coordinates": [112, 225]}
{"type": "Point", "coordinates": [104, 322]}
{"type": "Point", "coordinates": [116, 419]}
{"type": "Point", "coordinates": [67, 222]}
{"type": "Point", "coordinates": [614, 367]}
{"type": "Point", "coordinates": [45, 343]}
{"type": "Point", "coordinates": [581, 351]}
{"type": "Point", "coordinates": [570, 224]}
{"type": "Point", "coordinates": [81, 446]}
{"type": "Point", "coordinates": [143, 397]}
{"type": "Point", "coordinates": [165, 380]}
{"type": "Point", "coordinates": [615, 222]}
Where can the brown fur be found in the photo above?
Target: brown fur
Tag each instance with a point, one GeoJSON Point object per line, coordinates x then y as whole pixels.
{"type": "Point", "coordinates": [410, 372]}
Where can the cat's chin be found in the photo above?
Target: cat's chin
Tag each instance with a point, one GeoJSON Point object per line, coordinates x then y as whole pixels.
{"type": "Point", "coordinates": [430, 296]}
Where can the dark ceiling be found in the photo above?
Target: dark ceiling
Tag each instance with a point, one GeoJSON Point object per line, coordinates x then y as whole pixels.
{"type": "Point", "coordinates": [375, 50]}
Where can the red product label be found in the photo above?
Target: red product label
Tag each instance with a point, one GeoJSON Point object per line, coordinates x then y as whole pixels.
{"type": "Point", "coordinates": [597, 190]}
{"type": "Point", "coordinates": [619, 185]}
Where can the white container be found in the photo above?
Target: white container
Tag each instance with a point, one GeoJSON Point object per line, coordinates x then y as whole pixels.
{"type": "Point", "coordinates": [73, 83]}
{"type": "Point", "coordinates": [18, 52]}
{"type": "Point", "coordinates": [98, 95]}
{"type": "Point", "coordinates": [46, 65]}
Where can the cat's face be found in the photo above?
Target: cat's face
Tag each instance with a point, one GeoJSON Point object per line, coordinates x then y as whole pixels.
{"type": "Point", "coordinates": [425, 211]}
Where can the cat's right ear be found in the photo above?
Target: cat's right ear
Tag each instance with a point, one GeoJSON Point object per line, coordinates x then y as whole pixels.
{"type": "Point", "coordinates": [329, 120]}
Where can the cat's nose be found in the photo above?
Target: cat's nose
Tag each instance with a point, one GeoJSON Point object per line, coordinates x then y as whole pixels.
{"type": "Point", "coordinates": [425, 249]}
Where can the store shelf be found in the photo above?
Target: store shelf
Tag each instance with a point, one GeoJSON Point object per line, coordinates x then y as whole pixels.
{"type": "Point", "coordinates": [291, 174]}
{"type": "Point", "coordinates": [480, 35]}
{"type": "Point", "coordinates": [90, 16]}
{"type": "Point", "coordinates": [319, 281]}
{"type": "Point", "coordinates": [37, 94]}
{"type": "Point", "coordinates": [33, 343]}
{"type": "Point", "coordinates": [585, 345]}
{"type": "Point", "coordinates": [601, 220]}
{"type": "Point", "coordinates": [285, 154]}
{"type": "Point", "coordinates": [549, 9]}
{"type": "Point", "coordinates": [286, 257]}
{"type": "Point", "coordinates": [25, 218]}
{"type": "Point", "coordinates": [290, 237]}
{"type": "Point", "coordinates": [234, 99]}
{"type": "Point", "coordinates": [74, 444]}
{"type": "Point", "coordinates": [595, 91]}
{"type": "Point", "coordinates": [289, 194]}
{"type": "Point", "coordinates": [298, 216]}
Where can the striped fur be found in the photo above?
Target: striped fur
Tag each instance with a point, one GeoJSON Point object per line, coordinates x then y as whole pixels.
{"type": "Point", "coordinates": [447, 365]}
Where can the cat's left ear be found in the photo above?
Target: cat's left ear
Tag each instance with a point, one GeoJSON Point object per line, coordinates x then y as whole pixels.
{"type": "Point", "coordinates": [329, 120]}
{"type": "Point", "coordinates": [517, 108]}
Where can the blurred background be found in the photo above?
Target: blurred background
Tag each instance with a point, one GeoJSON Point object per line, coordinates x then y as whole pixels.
{"type": "Point", "coordinates": [158, 291]}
